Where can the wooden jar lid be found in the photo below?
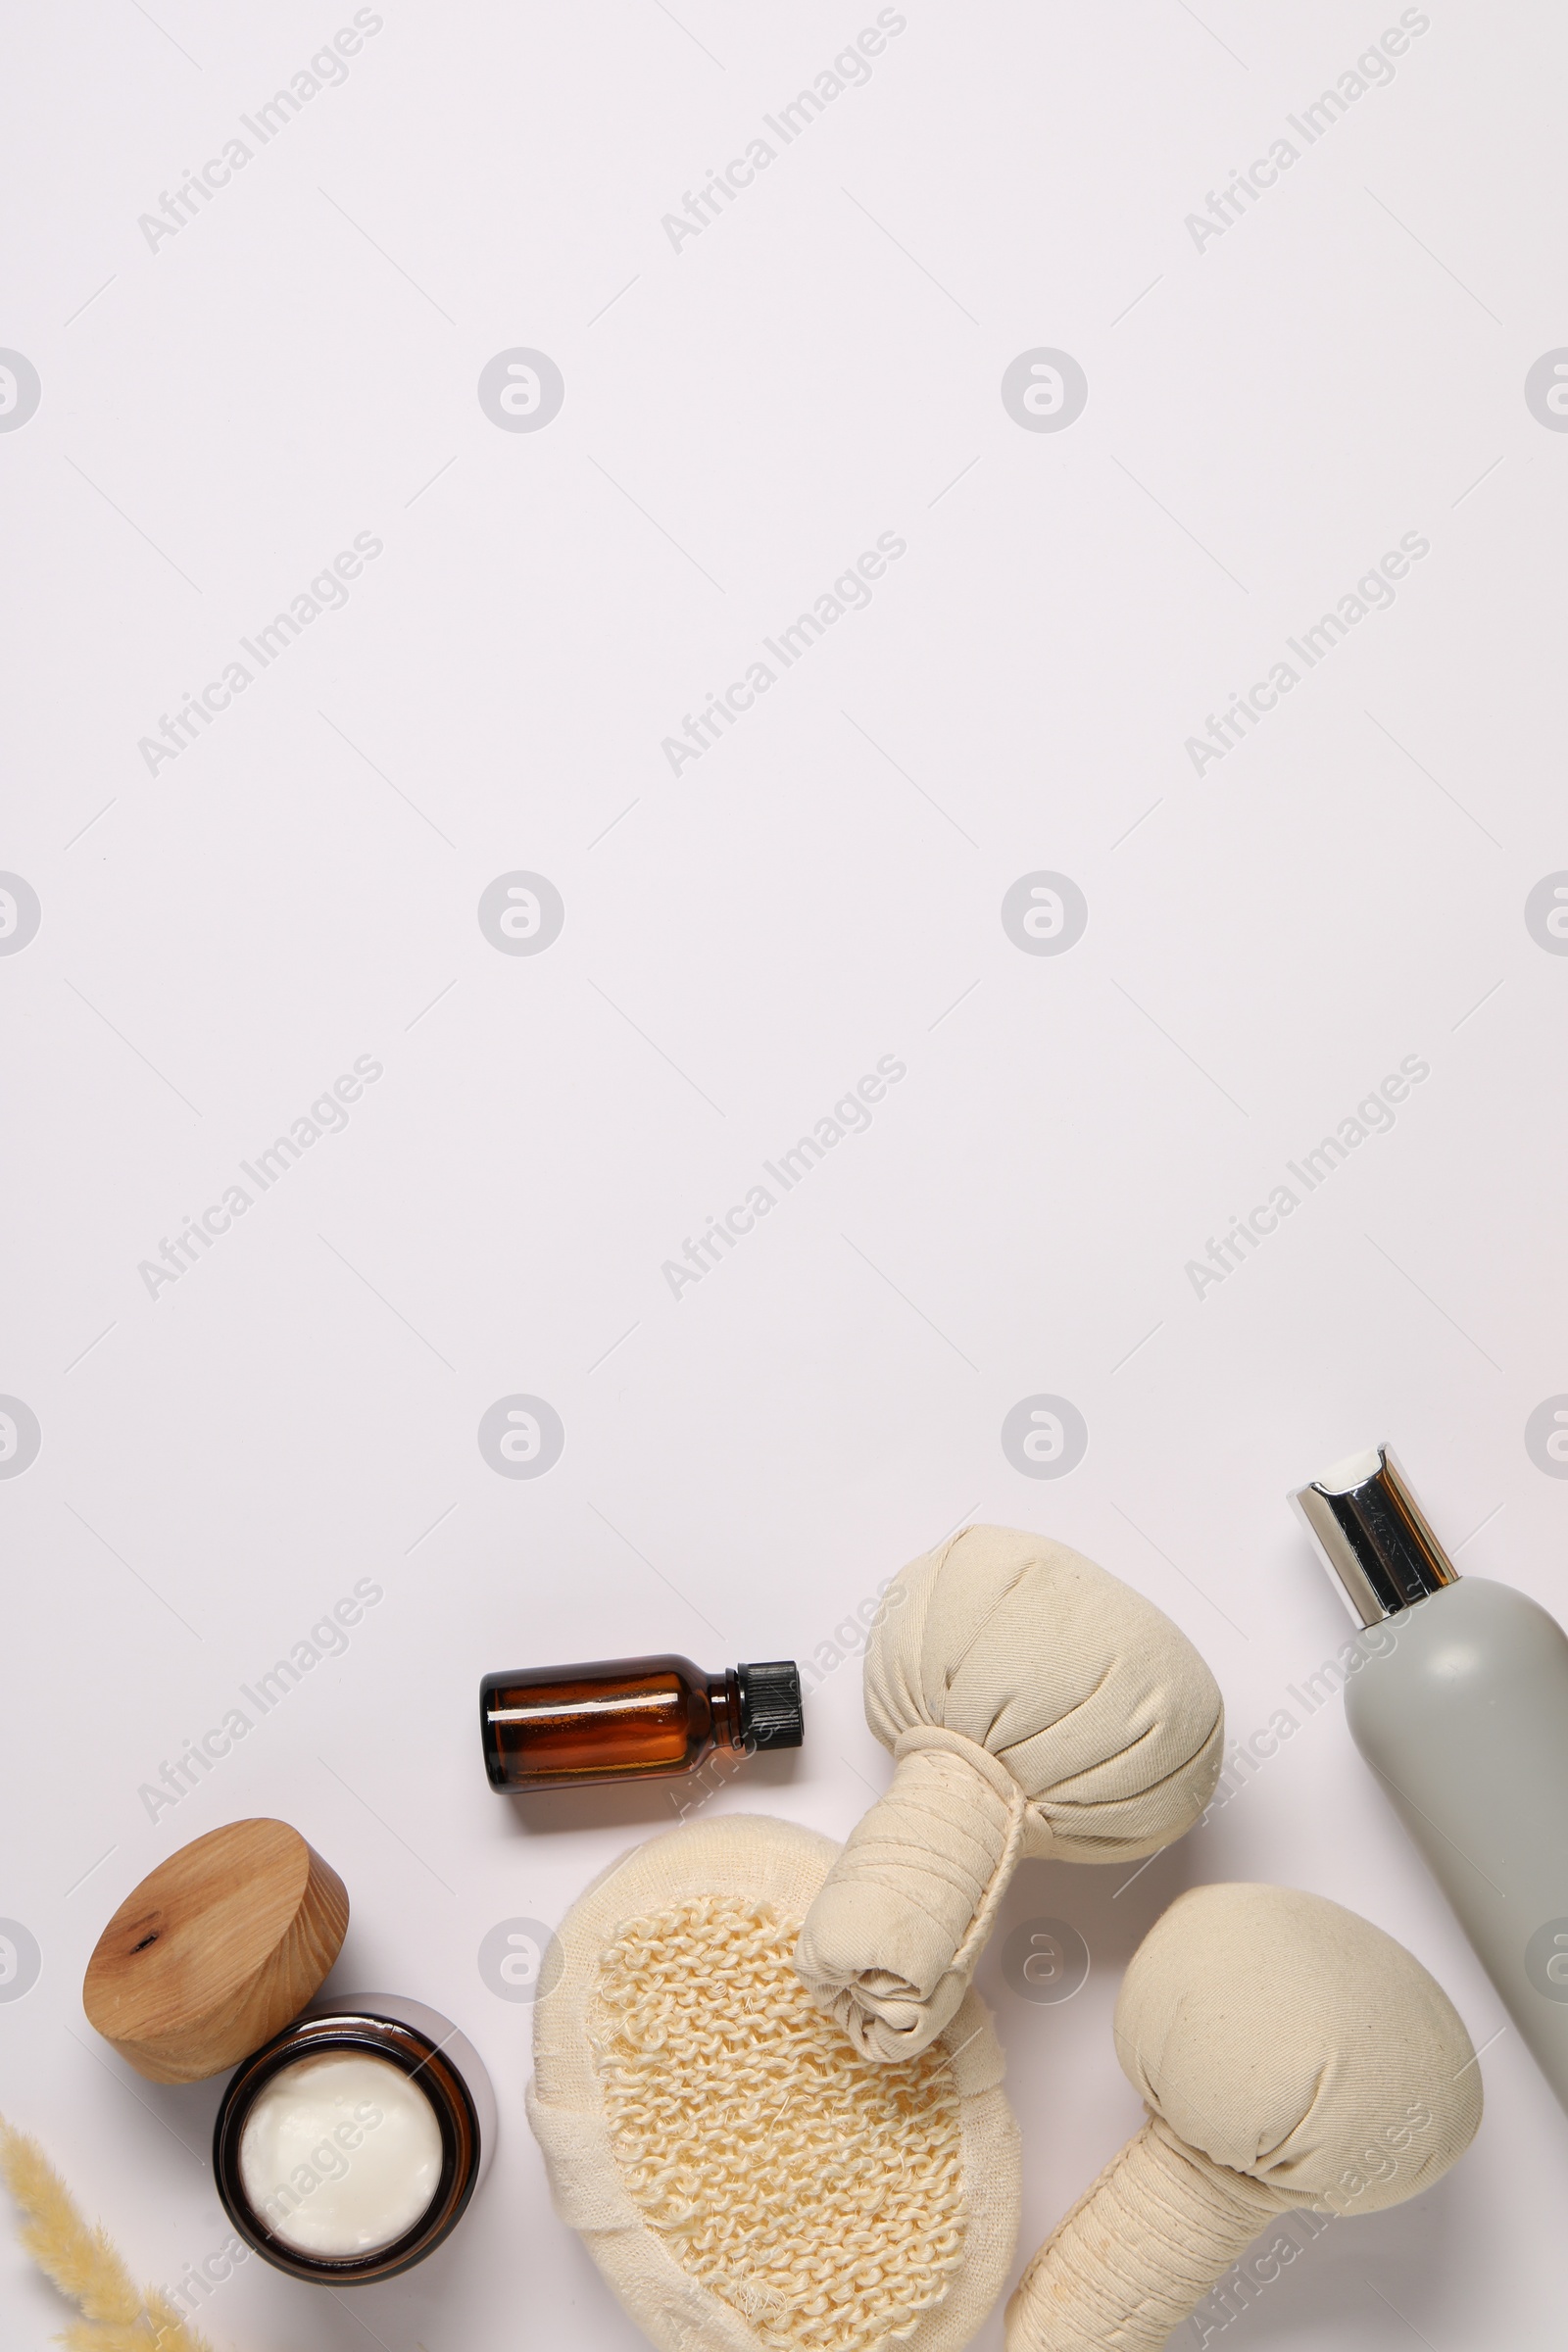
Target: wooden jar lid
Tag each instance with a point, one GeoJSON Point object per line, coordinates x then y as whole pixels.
{"type": "Point", "coordinates": [217, 1951]}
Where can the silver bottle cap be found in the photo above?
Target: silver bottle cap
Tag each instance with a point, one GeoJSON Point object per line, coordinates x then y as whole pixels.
{"type": "Point", "coordinates": [1373, 1537]}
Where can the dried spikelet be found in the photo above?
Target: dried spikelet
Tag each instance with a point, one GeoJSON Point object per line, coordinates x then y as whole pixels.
{"type": "Point", "coordinates": [81, 2262]}
{"type": "Point", "coordinates": [171, 2332]}
{"type": "Point", "coordinates": [104, 2335]}
{"type": "Point", "coordinates": [84, 2264]}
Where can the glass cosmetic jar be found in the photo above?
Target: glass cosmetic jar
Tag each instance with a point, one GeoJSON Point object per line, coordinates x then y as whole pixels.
{"type": "Point", "coordinates": [347, 2148]}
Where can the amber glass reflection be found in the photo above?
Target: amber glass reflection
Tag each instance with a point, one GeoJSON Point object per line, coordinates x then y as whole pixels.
{"type": "Point", "coordinates": [617, 1719]}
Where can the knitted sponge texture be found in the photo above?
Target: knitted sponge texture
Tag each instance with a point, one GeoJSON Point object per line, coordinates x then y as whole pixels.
{"type": "Point", "coordinates": [745, 2179]}
{"type": "Point", "coordinates": [816, 2192]}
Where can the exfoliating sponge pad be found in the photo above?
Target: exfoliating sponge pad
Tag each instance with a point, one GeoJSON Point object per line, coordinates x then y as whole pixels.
{"type": "Point", "coordinates": [747, 2180]}
{"type": "Point", "coordinates": [1034, 1705]}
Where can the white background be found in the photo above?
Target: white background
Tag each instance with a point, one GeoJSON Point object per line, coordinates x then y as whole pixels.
{"type": "Point", "coordinates": [745, 1462]}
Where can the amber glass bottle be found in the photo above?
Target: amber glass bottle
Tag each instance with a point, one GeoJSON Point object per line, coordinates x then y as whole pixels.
{"type": "Point", "coordinates": [630, 1719]}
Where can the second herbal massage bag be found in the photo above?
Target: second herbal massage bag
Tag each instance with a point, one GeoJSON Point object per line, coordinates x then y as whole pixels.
{"type": "Point", "coordinates": [1034, 1705]}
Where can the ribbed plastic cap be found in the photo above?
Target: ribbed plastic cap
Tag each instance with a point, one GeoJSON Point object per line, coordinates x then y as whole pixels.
{"type": "Point", "coordinates": [771, 1714]}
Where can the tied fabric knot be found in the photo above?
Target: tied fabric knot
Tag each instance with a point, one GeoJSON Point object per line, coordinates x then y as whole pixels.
{"type": "Point", "coordinates": [1033, 1704]}
{"type": "Point", "coordinates": [935, 1856]}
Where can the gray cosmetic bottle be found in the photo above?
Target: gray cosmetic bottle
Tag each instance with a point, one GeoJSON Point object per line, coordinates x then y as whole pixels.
{"type": "Point", "coordinates": [1464, 1719]}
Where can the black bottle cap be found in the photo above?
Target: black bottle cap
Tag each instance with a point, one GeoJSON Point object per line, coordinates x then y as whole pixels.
{"type": "Point", "coordinates": [771, 1715]}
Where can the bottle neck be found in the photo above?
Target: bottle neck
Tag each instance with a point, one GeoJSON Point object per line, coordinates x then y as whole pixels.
{"type": "Point", "coordinates": [724, 1708]}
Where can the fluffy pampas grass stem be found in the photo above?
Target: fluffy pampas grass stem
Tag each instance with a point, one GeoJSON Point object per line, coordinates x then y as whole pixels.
{"type": "Point", "coordinates": [84, 2264]}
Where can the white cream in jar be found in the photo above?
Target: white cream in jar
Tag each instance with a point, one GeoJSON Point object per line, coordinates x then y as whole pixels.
{"type": "Point", "coordinates": [340, 2154]}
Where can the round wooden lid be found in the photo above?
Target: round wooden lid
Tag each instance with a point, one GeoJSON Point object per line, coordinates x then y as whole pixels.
{"type": "Point", "coordinates": [217, 1951]}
